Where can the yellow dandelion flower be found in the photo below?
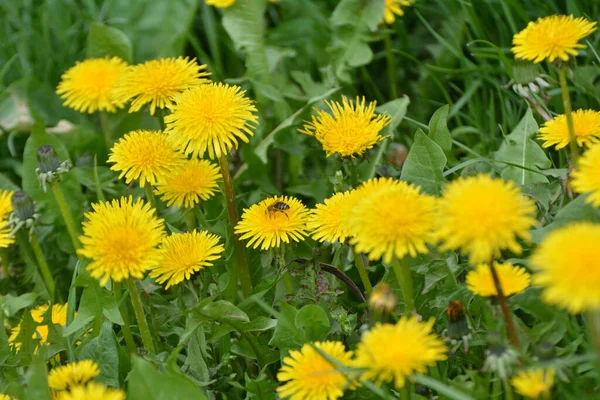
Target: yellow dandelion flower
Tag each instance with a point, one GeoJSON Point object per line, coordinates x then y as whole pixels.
{"type": "Point", "coordinates": [552, 37]}
{"type": "Point", "coordinates": [308, 375]}
{"type": "Point", "coordinates": [586, 124]}
{"type": "Point", "coordinates": [195, 181]}
{"type": "Point", "coordinates": [91, 85]}
{"type": "Point", "coordinates": [5, 203]}
{"type": "Point", "coordinates": [183, 254]}
{"type": "Point", "coordinates": [158, 81]}
{"type": "Point", "coordinates": [269, 223]}
{"type": "Point", "coordinates": [328, 221]}
{"type": "Point", "coordinates": [483, 216]}
{"type": "Point", "coordinates": [391, 221]}
{"type": "Point", "coordinates": [58, 317]}
{"type": "Point", "coordinates": [220, 3]}
{"type": "Point", "coordinates": [513, 279]}
{"type": "Point", "coordinates": [567, 266]}
{"type": "Point", "coordinates": [121, 239]}
{"type": "Point", "coordinates": [393, 8]}
{"type": "Point", "coordinates": [6, 239]}
{"type": "Point", "coordinates": [5, 397]}
{"type": "Point", "coordinates": [586, 178]}
{"type": "Point", "coordinates": [147, 155]}
{"type": "Point", "coordinates": [350, 129]}
{"type": "Point", "coordinates": [211, 118]}
{"type": "Point", "coordinates": [534, 382]}
{"type": "Point", "coordinates": [92, 391]}
{"type": "Point", "coordinates": [392, 351]}
{"type": "Point", "coordinates": [72, 374]}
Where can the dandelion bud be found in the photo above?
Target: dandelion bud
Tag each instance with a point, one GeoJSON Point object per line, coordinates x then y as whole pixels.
{"type": "Point", "coordinates": [458, 326]}
{"type": "Point", "coordinates": [23, 205]}
{"type": "Point", "coordinates": [545, 351]}
{"type": "Point", "coordinates": [47, 159]}
{"type": "Point", "coordinates": [382, 300]}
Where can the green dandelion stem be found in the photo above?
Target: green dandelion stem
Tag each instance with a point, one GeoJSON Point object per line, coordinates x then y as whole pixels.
{"type": "Point", "coordinates": [568, 113]}
{"type": "Point", "coordinates": [242, 265]}
{"type": "Point", "coordinates": [149, 195]}
{"type": "Point", "coordinates": [4, 258]}
{"type": "Point", "coordinates": [593, 320]}
{"type": "Point", "coordinates": [66, 214]}
{"type": "Point", "coordinates": [503, 302]}
{"type": "Point", "coordinates": [106, 130]}
{"type": "Point", "coordinates": [391, 64]}
{"type": "Point", "coordinates": [190, 220]}
{"type": "Point", "coordinates": [125, 328]}
{"type": "Point", "coordinates": [287, 280]}
{"type": "Point", "coordinates": [41, 262]}
{"type": "Point", "coordinates": [364, 276]}
{"type": "Point", "coordinates": [160, 116]}
{"type": "Point", "coordinates": [404, 276]}
{"type": "Point", "coordinates": [136, 301]}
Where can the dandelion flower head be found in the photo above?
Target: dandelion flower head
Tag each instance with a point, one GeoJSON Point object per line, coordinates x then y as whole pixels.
{"type": "Point", "coordinates": [392, 351]}
{"type": "Point", "coordinates": [392, 220]}
{"type": "Point", "coordinates": [513, 279]}
{"type": "Point", "coordinates": [183, 254]}
{"type": "Point", "coordinates": [72, 374]}
{"type": "Point", "coordinates": [92, 391]}
{"type": "Point", "coordinates": [220, 3]}
{"type": "Point", "coordinates": [327, 221]}
{"type": "Point", "coordinates": [121, 239]}
{"type": "Point", "coordinates": [5, 209]}
{"type": "Point", "coordinates": [533, 383]}
{"type": "Point", "coordinates": [91, 85]}
{"type": "Point", "coordinates": [586, 178]}
{"type": "Point", "coordinates": [586, 124]}
{"type": "Point", "coordinates": [196, 180]}
{"type": "Point", "coordinates": [552, 37]}
{"type": "Point", "coordinates": [267, 226]}
{"type": "Point", "coordinates": [158, 81]}
{"type": "Point", "coordinates": [483, 216]}
{"type": "Point", "coordinates": [147, 155]}
{"type": "Point", "coordinates": [309, 375]}
{"type": "Point", "coordinates": [350, 129]}
{"type": "Point", "coordinates": [211, 118]}
{"type": "Point", "coordinates": [567, 267]}
{"type": "Point", "coordinates": [393, 8]}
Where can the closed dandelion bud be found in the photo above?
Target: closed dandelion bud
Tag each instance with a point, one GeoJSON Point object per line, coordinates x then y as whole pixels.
{"type": "Point", "coordinates": [525, 72]}
{"type": "Point", "coordinates": [545, 351]}
{"type": "Point", "coordinates": [383, 301]}
{"type": "Point", "coordinates": [23, 205]}
{"type": "Point", "coordinates": [458, 326]}
{"type": "Point", "coordinates": [47, 159]}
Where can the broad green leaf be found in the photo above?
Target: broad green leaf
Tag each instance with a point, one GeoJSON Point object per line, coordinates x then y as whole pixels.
{"type": "Point", "coordinates": [438, 128]}
{"type": "Point", "coordinates": [196, 356]}
{"type": "Point", "coordinates": [37, 379]}
{"type": "Point", "coordinates": [145, 383]}
{"type": "Point", "coordinates": [425, 164]}
{"type": "Point", "coordinates": [441, 388]}
{"type": "Point", "coordinates": [7, 184]}
{"type": "Point", "coordinates": [244, 22]}
{"type": "Point", "coordinates": [287, 335]}
{"type": "Point", "coordinates": [354, 12]}
{"type": "Point", "coordinates": [106, 41]}
{"type": "Point", "coordinates": [526, 155]}
{"type": "Point", "coordinates": [222, 310]}
{"type": "Point", "coordinates": [313, 321]}
{"type": "Point", "coordinates": [104, 351]}
{"type": "Point", "coordinates": [12, 304]}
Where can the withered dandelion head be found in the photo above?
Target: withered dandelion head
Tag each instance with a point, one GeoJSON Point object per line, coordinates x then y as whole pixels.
{"type": "Point", "coordinates": [586, 124]}
{"type": "Point", "coordinates": [196, 180]}
{"type": "Point", "coordinates": [327, 221]}
{"type": "Point", "coordinates": [91, 85]}
{"type": "Point", "coordinates": [121, 239]}
{"type": "Point", "coordinates": [183, 254]}
{"type": "Point", "coordinates": [552, 37]}
{"type": "Point", "coordinates": [91, 391]}
{"type": "Point", "coordinates": [350, 129]}
{"type": "Point", "coordinates": [72, 374]}
{"type": "Point", "coordinates": [393, 8]}
{"type": "Point", "coordinates": [147, 155]}
{"type": "Point", "coordinates": [308, 375]}
{"type": "Point", "coordinates": [567, 267]}
{"type": "Point", "coordinates": [586, 178]}
{"type": "Point", "coordinates": [273, 221]}
{"type": "Point", "coordinates": [533, 383]}
{"type": "Point", "coordinates": [483, 216]}
{"type": "Point", "coordinates": [391, 220]}
{"type": "Point", "coordinates": [513, 279]}
{"type": "Point", "coordinates": [392, 351]}
{"type": "Point", "coordinates": [158, 81]}
{"type": "Point", "coordinates": [211, 118]}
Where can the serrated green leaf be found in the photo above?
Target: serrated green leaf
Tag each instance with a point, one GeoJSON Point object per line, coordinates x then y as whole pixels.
{"type": "Point", "coordinates": [527, 156]}
{"type": "Point", "coordinates": [104, 351]}
{"type": "Point", "coordinates": [106, 41]}
{"type": "Point", "coordinates": [37, 379]}
{"type": "Point", "coordinates": [424, 165]}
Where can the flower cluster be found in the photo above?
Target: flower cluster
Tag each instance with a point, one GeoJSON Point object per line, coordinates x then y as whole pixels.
{"type": "Point", "coordinates": [74, 381]}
